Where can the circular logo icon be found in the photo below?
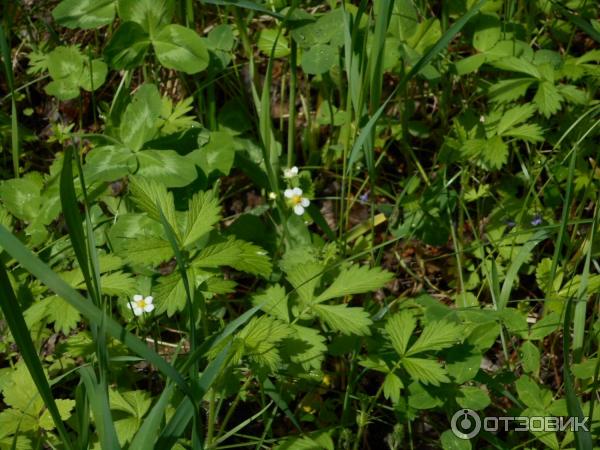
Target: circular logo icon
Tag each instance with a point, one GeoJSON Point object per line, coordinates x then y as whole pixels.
{"type": "Point", "coordinates": [465, 424]}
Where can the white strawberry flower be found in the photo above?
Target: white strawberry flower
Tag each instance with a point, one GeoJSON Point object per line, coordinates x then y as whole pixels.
{"type": "Point", "coordinates": [290, 172]}
{"type": "Point", "coordinates": [141, 304]}
{"type": "Point", "coordinates": [296, 200]}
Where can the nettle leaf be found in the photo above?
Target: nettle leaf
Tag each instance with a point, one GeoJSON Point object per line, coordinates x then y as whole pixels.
{"type": "Point", "coordinates": [273, 301]}
{"type": "Point", "coordinates": [180, 48]}
{"type": "Point", "coordinates": [149, 14]}
{"type": "Point", "coordinates": [167, 167]}
{"type": "Point", "coordinates": [261, 337]}
{"type": "Point", "coordinates": [426, 371]}
{"type": "Point", "coordinates": [346, 320]}
{"type": "Point", "coordinates": [138, 122]}
{"type": "Point", "coordinates": [127, 47]}
{"type": "Point", "coordinates": [203, 213]}
{"type": "Point", "coordinates": [400, 328]}
{"type": "Point", "coordinates": [85, 14]}
{"type": "Point", "coordinates": [356, 280]}
{"type": "Point", "coordinates": [240, 255]}
{"type": "Point", "coordinates": [547, 98]}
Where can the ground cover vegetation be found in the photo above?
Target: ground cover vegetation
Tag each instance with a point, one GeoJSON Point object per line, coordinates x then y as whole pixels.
{"type": "Point", "coordinates": [297, 225]}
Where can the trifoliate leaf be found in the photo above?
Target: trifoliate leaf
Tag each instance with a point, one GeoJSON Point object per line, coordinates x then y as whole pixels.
{"type": "Point", "coordinates": [356, 280]}
{"type": "Point", "coordinates": [426, 371]}
{"type": "Point", "coordinates": [240, 255]}
{"type": "Point", "coordinates": [118, 283]}
{"type": "Point", "coordinates": [400, 328]}
{"type": "Point", "coordinates": [85, 14]}
{"type": "Point", "coordinates": [346, 320]}
{"type": "Point", "coordinates": [167, 167]}
{"type": "Point", "coordinates": [203, 213]}
{"type": "Point", "coordinates": [306, 346]}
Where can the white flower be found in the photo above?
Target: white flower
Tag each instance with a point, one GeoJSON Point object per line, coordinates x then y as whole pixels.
{"type": "Point", "coordinates": [141, 304]}
{"type": "Point", "coordinates": [291, 172]}
{"type": "Point", "coordinates": [296, 200]}
{"type": "Point", "coordinates": [272, 195]}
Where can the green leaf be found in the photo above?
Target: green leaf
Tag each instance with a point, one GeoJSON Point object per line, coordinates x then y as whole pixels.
{"type": "Point", "coordinates": [167, 167]}
{"type": "Point", "coordinates": [170, 293]}
{"type": "Point", "coordinates": [127, 47]}
{"type": "Point", "coordinates": [65, 406]}
{"type": "Point", "coordinates": [487, 32]}
{"type": "Point", "coordinates": [306, 346]}
{"type": "Point", "coordinates": [400, 328]}
{"type": "Point", "coordinates": [180, 48]}
{"type": "Point", "coordinates": [108, 163]}
{"type": "Point", "coordinates": [496, 153]}
{"type": "Point", "coordinates": [437, 336]}
{"type": "Point", "coordinates": [273, 301]}
{"type": "Point", "coordinates": [93, 75]}
{"type": "Point", "coordinates": [426, 371]}
{"type": "Point", "coordinates": [22, 196]}
{"type": "Point", "coordinates": [530, 132]}
{"type": "Point", "coordinates": [266, 40]}
{"type": "Point", "coordinates": [505, 91]}
{"type": "Point", "coordinates": [319, 59]}
{"type": "Point", "coordinates": [147, 251]}
{"type": "Point", "coordinates": [530, 357]}
{"type": "Point", "coordinates": [85, 14]}
{"type": "Point", "coordinates": [356, 280]}
{"type": "Point", "coordinates": [65, 65]}
{"type": "Point", "coordinates": [203, 213]}
{"type": "Point", "coordinates": [514, 116]}
{"type": "Point", "coordinates": [240, 255]}
{"type": "Point", "coordinates": [138, 122]}
{"type": "Point", "coordinates": [304, 277]}
{"type": "Point", "coordinates": [514, 64]}
{"type": "Point", "coordinates": [261, 337]}
{"type": "Point", "coordinates": [547, 98]}
{"type": "Point", "coordinates": [149, 14]}
{"type": "Point", "coordinates": [452, 442]}
{"type": "Point", "coordinates": [392, 385]}
{"type": "Point", "coordinates": [474, 398]}
{"type": "Point", "coordinates": [217, 154]}
{"type": "Point", "coordinates": [346, 320]}
{"type": "Point", "coordinates": [146, 194]}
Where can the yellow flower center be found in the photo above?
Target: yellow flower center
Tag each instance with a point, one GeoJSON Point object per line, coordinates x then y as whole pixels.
{"type": "Point", "coordinates": [296, 200]}
{"type": "Point", "coordinates": [141, 303]}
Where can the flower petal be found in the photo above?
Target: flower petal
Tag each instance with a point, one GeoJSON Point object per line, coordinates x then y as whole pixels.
{"type": "Point", "coordinates": [297, 191]}
{"type": "Point", "coordinates": [137, 297]}
{"type": "Point", "coordinates": [288, 193]}
{"type": "Point", "coordinates": [299, 209]}
{"type": "Point", "coordinates": [149, 299]}
{"type": "Point", "coordinates": [294, 170]}
{"type": "Point", "coordinates": [148, 308]}
{"type": "Point", "coordinates": [305, 202]}
{"type": "Point", "coordinates": [138, 311]}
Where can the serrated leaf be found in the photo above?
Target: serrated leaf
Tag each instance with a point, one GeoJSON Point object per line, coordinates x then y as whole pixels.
{"type": "Point", "coordinates": [437, 336]}
{"type": "Point", "coordinates": [304, 277]}
{"type": "Point", "coordinates": [273, 301]}
{"type": "Point", "coordinates": [169, 294]}
{"type": "Point", "coordinates": [261, 337]}
{"type": "Point", "coordinates": [65, 406]}
{"type": "Point", "coordinates": [118, 283]}
{"type": "Point", "coordinates": [514, 64]}
{"type": "Point", "coordinates": [547, 98]}
{"type": "Point", "coordinates": [346, 320]}
{"type": "Point", "coordinates": [530, 357]}
{"type": "Point", "coordinates": [108, 163]}
{"type": "Point", "coordinates": [400, 328]}
{"type": "Point", "coordinates": [180, 48]}
{"type": "Point", "coordinates": [203, 213]}
{"type": "Point", "coordinates": [240, 255]}
{"type": "Point", "coordinates": [530, 132]}
{"type": "Point", "coordinates": [426, 371]}
{"type": "Point", "coordinates": [505, 91]}
{"type": "Point", "coordinates": [305, 346]}
{"type": "Point", "coordinates": [496, 153]}
{"type": "Point", "coordinates": [514, 116]}
{"type": "Point", "coordinates": [147, 251]}
{"type": "Point", "coordinates": [355, 280]}
{"type": "Point", "coordinates": [147, 194]}
{"type": "Point", "coordinates": [392, 385]}
{"type": "Point", "coordinates": [149, 14]}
